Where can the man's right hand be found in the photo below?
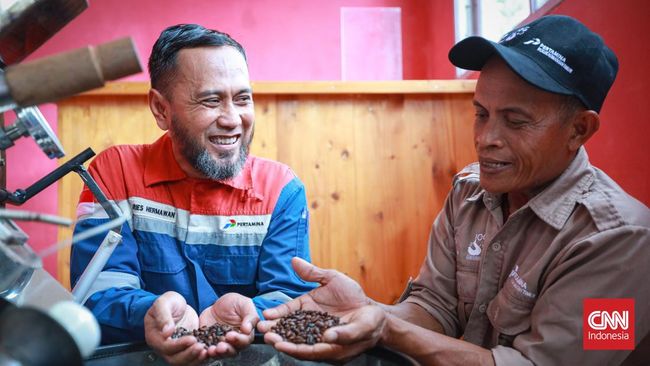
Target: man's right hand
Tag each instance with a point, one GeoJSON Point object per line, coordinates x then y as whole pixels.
{"type": "Point", "coordinates": [337, 293]}
{"type": "Point", "coordinates": [167, 313]}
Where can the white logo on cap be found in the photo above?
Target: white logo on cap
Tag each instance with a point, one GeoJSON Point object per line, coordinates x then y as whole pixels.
{"type": "Point", "coordinates": [547, 51]}
{"type": "Point", "coordinates": [534, 41]}
{"type": "Point", "coordinates": [515, 33]}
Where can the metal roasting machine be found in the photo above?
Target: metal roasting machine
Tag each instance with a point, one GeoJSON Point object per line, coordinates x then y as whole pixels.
{"type": "Point", "coordinates": [42, 323]}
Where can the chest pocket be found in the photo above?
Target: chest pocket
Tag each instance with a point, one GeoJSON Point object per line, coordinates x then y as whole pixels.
{"type": "Point", "coordinates": [231, 269]}
{"type": "Point", "coordinates": [469, 245]}
{"type": "Point", "coordinates": [160, 256]}
{"type": "Point", "coordinates": [509, 313]}
{"type": "Point", "coordinates": [467, 267]}
{"type": "Point", "coordinates": [162, 267]}
{"type": "Point", "coordinates": [466, 285]}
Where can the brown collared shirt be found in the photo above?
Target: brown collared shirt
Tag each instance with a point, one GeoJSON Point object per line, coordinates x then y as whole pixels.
{"type": "Point", "coordinates": [518, 287]}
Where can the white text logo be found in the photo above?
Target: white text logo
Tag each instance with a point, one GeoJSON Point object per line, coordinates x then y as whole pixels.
{"type": "Point", "coordinates": [519, 284]}
{"type": "Point", "coordinates": [547, 51]}
{"type": "Point", "coordinates": [600, 320]}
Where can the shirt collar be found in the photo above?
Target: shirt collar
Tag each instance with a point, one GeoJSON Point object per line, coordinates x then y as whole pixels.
{"type": "Point", "coordinates": [161, 166]}
{"type": "Point", "coordinates": [490, 200]}
{"type": "Point", "coordinates": [555, 203]}
{"type": "Point", "coordinates": [244, 180]}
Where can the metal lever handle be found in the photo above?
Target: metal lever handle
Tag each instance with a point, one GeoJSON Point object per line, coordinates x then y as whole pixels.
{"type": "Point", "coordinates": [20, 196]}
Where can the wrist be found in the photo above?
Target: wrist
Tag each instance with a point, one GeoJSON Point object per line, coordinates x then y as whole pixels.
{"type": "Point", "coordinates": [370, 301]}
{"type": "Point", "coordinates": [386, 330]}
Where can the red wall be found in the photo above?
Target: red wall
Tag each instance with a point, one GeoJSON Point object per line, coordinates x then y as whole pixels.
{"type": "Point", "coordinates": [284, 39]}
{"type": "Point", "coordinates": [620, 147]}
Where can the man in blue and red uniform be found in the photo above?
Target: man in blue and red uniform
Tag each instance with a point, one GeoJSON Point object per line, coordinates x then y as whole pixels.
{"type": "Point", "coordinates": [211, 228]}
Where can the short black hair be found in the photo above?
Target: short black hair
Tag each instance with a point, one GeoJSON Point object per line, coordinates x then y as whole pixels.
{"type": "Point", "coordinates": [569, 106]}
{"type": "Point", "coordinates": [177, 37]}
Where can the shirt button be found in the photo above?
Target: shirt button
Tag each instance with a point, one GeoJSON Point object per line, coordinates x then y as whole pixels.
{"type": "Point", "coordinates": [496, 246]}
{"type": "Point", "coordinates": [482, 308]}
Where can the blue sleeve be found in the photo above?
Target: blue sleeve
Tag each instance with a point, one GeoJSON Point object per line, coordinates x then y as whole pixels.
{"type": "Point", "coordinates": [117, 300]}
{"type": "Point", "coordinates": [287, 237]}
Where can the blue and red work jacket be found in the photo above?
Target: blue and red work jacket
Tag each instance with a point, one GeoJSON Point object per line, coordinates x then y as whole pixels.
{"type": "Point", "coordinates": [198, 237]}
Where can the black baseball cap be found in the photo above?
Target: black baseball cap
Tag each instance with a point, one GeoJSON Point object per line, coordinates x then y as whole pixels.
{"type": "Point", "coordinates": [556, 53]}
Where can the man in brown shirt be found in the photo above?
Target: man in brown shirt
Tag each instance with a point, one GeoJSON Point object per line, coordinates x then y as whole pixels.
{"type": "Point", "coordinates": [527, 233]}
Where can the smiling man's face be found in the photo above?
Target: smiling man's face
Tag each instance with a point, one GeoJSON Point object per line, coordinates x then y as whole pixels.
{"type": "Point", "coordinates": [212, 112]}
{"type": "Point", "coordinates": [520, 138]}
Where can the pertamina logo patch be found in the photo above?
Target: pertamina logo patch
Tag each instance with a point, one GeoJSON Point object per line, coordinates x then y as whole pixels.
{"type": "Point", "coordinates": [608, 324]}
{"type": "Point", "coordinates": [231, 223]}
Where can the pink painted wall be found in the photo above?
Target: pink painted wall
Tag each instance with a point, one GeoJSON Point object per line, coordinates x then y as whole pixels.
{"type": "Point", "coordinates": [284, 39]}
{"type": "Point", "coordinates": [371, 43]}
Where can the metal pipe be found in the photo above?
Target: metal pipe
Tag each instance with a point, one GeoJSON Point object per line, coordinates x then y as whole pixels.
{"type": "Point", "coordinates": [97, 263]}
{"type": "Point", "coordinates": [34, 216]}
{"type": "Point", "coordinates": [110, 208]}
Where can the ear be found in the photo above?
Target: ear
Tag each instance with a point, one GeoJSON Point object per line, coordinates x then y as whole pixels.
{"type": "Point", "coordinates": [583, 125]}
{"type": "Point", "coordinates": [161, 109]}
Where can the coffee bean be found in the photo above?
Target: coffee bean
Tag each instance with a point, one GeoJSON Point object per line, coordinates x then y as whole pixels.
{"type": "Point", "coordinates": [207, 335]}
{"type": "Point", "coordinates": [305, 326]}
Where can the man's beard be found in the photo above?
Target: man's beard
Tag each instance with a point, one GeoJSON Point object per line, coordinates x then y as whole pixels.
{"type": "Point", "coordinates": [199, 156]}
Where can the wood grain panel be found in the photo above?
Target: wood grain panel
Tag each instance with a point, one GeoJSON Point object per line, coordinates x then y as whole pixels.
{"type": "Point", "coordinates": [377, 167]}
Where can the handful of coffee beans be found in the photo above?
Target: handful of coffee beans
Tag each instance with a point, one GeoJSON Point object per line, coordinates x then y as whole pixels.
{"type": "Point", "coordinates": [305, 326]}
{"type": "Point", "coordinates": [207, 335]}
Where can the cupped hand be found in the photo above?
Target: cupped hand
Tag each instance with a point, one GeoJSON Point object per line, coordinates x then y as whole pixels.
{"type": "Point", "coordinates": [167, 313]}
{"type": "Point", "coordinates": [235, 310]}
{"type": "Point", "coordinates": [362, 329]}
{"type": "Point", "coordinates": [338, 295]}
